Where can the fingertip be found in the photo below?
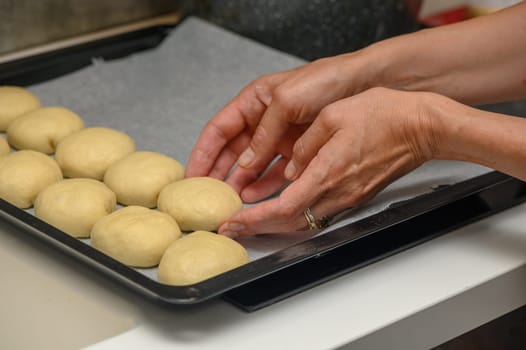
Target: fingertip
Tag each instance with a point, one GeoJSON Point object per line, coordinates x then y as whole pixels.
{"type": "Point", "coordinates": [290, 171]}
{"type": "Point", "coordinates": [230, 234]}
{"type": "Point", "coordinates": [241, 178]}
{"type": "Point", "coordinates": [231, 229]}
{"type": "Point", "coordinates": [191, 173]}
{"type": "Point", "coordinates": [198, 164]}
{"type": "Point", "coordinates": [248, 196]}
{"type": "Point", "coordinates": [246, 158]}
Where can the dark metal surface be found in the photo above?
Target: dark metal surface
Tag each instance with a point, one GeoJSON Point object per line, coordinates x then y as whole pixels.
{"type": "Point", "coordinates": [384, 234]}
{"type": "Point", "coordinates": [312, 29]}
{"type": "Point", "coordinates": [304, 265]}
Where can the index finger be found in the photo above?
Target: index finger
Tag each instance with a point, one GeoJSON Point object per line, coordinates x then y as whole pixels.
{"type": "Point", "coordinates": [245, 110]}
{"type": "Point", "coordinates": [216, 134]}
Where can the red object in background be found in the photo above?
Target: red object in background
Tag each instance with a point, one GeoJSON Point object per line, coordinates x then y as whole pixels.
{"type": "Point", "coordinates": [452, 15]}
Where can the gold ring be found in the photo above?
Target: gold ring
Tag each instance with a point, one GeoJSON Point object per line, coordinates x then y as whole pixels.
{"type": "Point", "coordinates": [314, 223]}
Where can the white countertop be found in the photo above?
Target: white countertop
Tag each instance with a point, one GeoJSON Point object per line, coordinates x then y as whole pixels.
{"type": "Point", "coordinates": [413, 300]}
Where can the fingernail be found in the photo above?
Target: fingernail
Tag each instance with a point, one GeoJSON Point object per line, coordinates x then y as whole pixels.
{"type": "Point", "coordinates": [290, 170]}
{"type": "Point", "coordinates": [229, 234]}
{"type": "Point", "coordinates": [232, 229]}
{"type": "Point", "coordinates": [246, 157]}
{"type": "Point", "coordinates": [235, 226]}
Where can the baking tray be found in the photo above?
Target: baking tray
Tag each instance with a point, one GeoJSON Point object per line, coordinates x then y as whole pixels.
{"type": "Point", "coordinates": [433, 200]}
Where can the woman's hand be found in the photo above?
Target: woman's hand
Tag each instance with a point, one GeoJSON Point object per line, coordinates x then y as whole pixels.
{"type": "Point", "coordinates": [265, 120]}
{"type": "Point", "coordinates": [340, 145]}
{"type": "Point", "coordinates": [352, 150]}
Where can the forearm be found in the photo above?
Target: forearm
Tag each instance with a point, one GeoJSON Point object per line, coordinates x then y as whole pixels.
{"type": "Point", "coordinates": [460, 132]}
{"type": "Point", "coordinates": [477, 61]}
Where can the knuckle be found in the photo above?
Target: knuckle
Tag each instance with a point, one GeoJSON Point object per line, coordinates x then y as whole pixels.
{"type": "Point", "coordinates": [321, 176]}
{"type": "Point", "coordinates": [329, 117]}
{"type": "Point", "coordinates": [331, 183]}
{"type": "Point", "coordinates": [283, 98]}
{"type": "Point", "coordinates": [262, 90]}
{"type": "Point", "coordinates": [216, 131]}
{"type": "Point", "coordinates": [261, 81]}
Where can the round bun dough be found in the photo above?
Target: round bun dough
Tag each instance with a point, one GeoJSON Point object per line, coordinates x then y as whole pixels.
{"type": "Point", "coordinates": [42, 129]}
{"type": "Point", "coordinates": [199, 256]}
{"type": "Point", "coordinates": [138, 178]}
{"type": "Point", "coordinates": [135, 236]}
{"type": "Point", "coordinates": [4, 146]}
{"type": "Point", "coordinates": [199, 203]}
{"type": "Point", "coordinates": [15, 101]}
{"type": "Point", "coordinates": [24, 174]}
{"type": "Point", "coordinates": [89, 152]}
{"type": "Point", "coordinates": [75, 205]}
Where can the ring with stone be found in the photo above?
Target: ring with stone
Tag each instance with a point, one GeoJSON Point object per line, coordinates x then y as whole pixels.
{"type": "Point", "coordinates": [314, 223]}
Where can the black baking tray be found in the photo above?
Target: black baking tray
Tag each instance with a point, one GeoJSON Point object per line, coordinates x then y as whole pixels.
{"type": "Point", "coordinates": [288, 271]}
{"type": "Point", "coordinates": [314, 261]}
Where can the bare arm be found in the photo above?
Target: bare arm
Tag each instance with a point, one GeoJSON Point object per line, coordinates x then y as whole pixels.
{"type": "Point", "coordinates": [477, 61]}
{"type": "Point", "coordinates": [463, 133]}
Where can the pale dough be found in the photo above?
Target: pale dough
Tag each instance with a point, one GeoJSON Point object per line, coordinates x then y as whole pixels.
{"type": "Point", "coordinates": [74, 205]}
{"type": "Point", "coordinates": [15, 101]}
{"type": "Point", "coordinates": [199, 203]}
{"type": "Point", "coordinates": [4, 146]}
{"type": "Point", "coordinates": [89, 152]}
{"type": "Point", "coordinates": [24, 174]}
{"type": "Point", "coordinates": [135, 236]}
{"type": "Point", "coordinates": [138, 178]}
{"type": "Point", "coordinates": [199, 256]}
{"type": "Point", "coordinates": [42, 129]}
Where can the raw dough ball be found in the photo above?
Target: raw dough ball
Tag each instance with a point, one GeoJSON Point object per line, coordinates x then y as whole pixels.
{"type": "Point", "coordinates": [138, 178]}
{"type": "Point", "coordinates": [199, 256]}
{"type": "Point", "coordinates": [75, 205]}
{"type": "Point", "coordinates": [89, 152]}
{"type": "Point", "coordinates": [199, 203]}
{"type": "Point", "coordinates": [135, 236]}
{"type": "Point", "coordinates": [15, 101]}
{"type": "Point", "coordinates": [42, 129]}
{"type": "Point", "coordinates": [4, 147]}
{"type": "Point", "coordinates": [24, 174]}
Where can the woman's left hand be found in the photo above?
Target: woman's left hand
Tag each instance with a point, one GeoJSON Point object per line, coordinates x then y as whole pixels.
{"type": "Point", "coordinates": [352, 150]}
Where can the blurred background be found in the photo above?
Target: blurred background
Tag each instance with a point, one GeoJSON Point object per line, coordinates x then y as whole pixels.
{"type": "Point", "coordinates": [306, 28]}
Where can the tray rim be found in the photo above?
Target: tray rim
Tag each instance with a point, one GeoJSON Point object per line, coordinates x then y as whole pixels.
{"type": "Point", "coordinates": [262, 267]}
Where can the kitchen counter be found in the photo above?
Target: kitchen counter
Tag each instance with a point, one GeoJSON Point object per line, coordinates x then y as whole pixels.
{"type": "Point", "coordinates": [416, 299]}
{"type": "Point", "coordinates": [413, 300]}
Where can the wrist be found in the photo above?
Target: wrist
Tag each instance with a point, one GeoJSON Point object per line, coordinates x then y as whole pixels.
{"type": "Point", "coordinates": [398, 62]}
{"type": "Point", "coordinates": [460, 132]}
{"type": "Point", "coordinates": [361, 69]}
{"type": "Point", "coordinates": [434, 126]}
{"type": "Point", "coordinates": [391, 63]}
